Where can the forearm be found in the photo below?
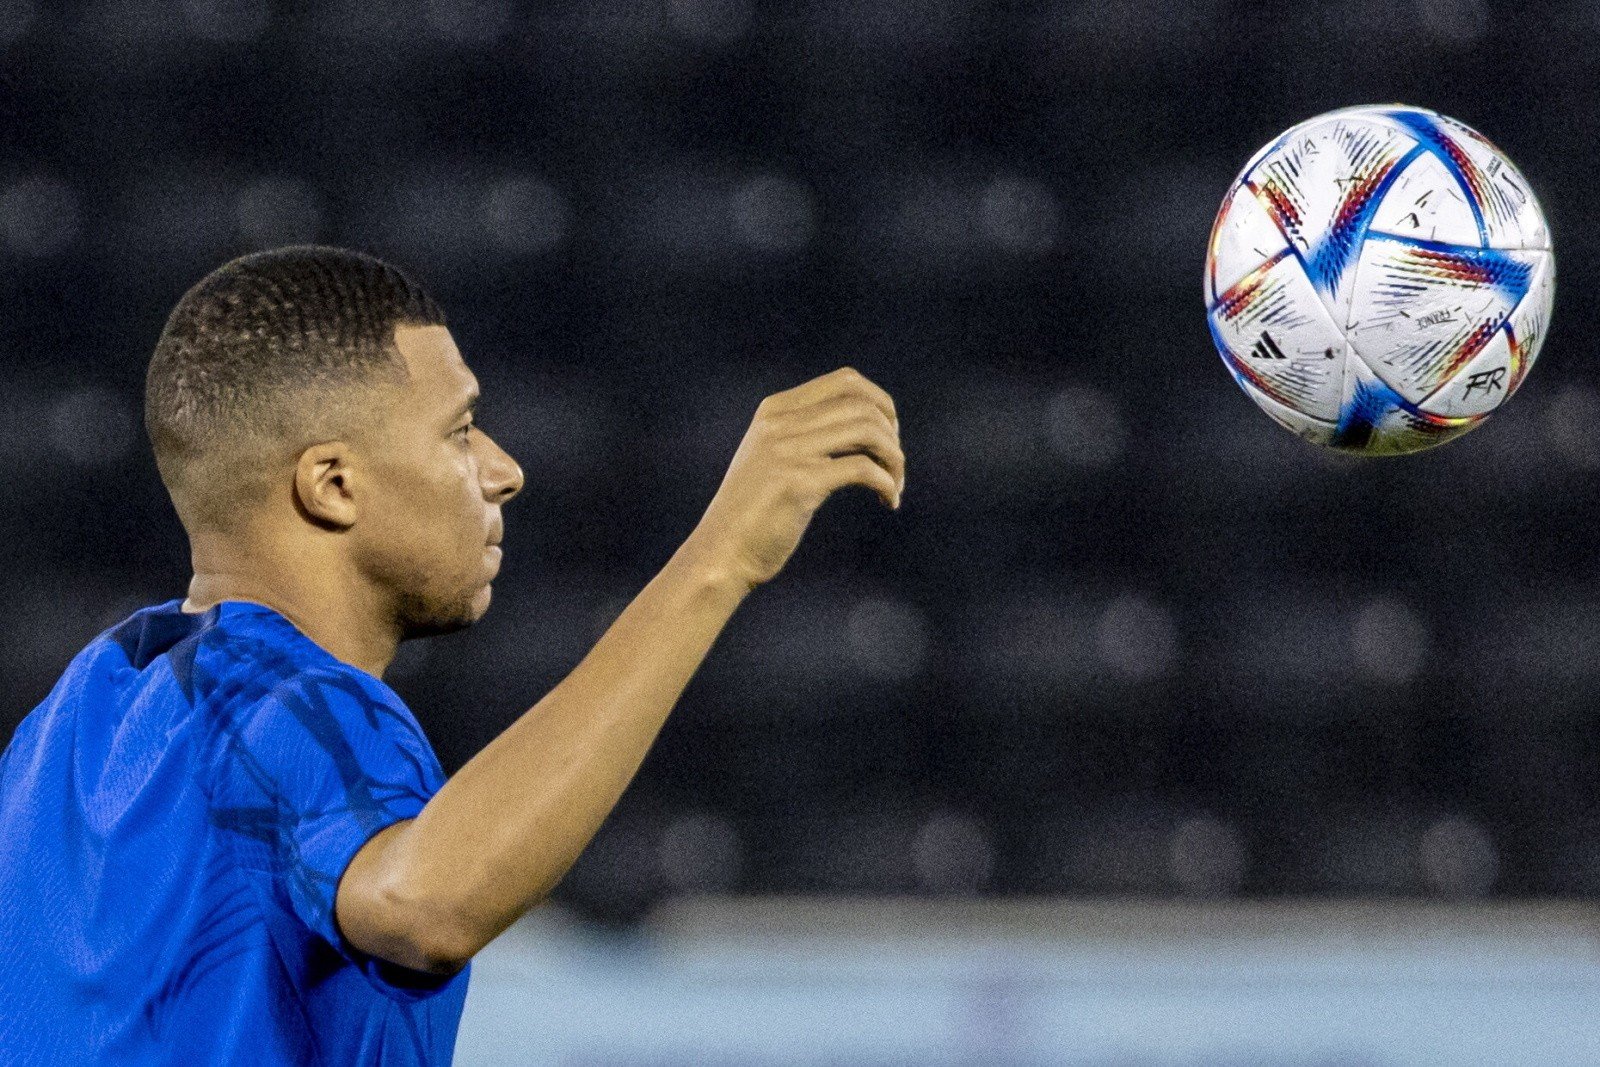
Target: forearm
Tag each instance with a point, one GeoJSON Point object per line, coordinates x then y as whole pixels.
{"type": "Point", "coordinates": [503, 831]}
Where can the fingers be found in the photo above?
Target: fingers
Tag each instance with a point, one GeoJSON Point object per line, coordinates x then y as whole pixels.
{"type": "Point", "coordinates": [857, 469]}
{"type": "Point", "coordinates": [869, 434]}
{"type": "Point", "coordinates": [843, 427]}
{"type": "Point", "coordinates": [844, 382]}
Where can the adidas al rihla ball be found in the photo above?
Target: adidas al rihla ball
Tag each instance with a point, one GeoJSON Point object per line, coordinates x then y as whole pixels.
{"type": "Point", "coordinates": [1379, 279]}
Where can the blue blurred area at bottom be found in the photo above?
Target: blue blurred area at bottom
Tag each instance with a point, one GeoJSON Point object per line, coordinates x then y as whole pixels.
{"type": "Point", "coordinates": [840, 981]}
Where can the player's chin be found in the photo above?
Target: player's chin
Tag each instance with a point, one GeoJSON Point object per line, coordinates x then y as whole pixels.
{"type": "Point", "coordinates": [435, 615]}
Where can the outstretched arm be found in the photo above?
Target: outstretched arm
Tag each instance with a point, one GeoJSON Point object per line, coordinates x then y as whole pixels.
{"type": "Point", "coordinates": [429, 892]}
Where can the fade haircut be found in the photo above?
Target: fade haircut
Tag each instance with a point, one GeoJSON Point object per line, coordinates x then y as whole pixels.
{"type": "Point", "coordinates": [267, 355]}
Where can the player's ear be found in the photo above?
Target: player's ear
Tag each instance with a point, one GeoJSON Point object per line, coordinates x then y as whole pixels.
{"type": "Point", "coordinates": [324, 484]}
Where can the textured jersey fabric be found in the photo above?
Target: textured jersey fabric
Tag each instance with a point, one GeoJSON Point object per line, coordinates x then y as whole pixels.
{"type": "Point", "coordinates": [174, 820]}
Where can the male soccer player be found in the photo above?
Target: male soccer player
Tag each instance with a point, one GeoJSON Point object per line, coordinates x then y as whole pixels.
{"type": "Point", "coordinates": [223, 839]}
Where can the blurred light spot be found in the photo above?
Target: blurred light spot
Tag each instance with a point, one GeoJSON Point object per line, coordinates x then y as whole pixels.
{"type": "Point", "coordinates": [226, 21]}
{"type": "Point", "coordinates": [700, 853]}
{"type": "Point", "coordinates": [1207, 857]}
{"type": "Point", "coordinates": [1389, 640]}
{"type": "Point", "coordinates": [709, 22]}
{"type": "Point", "coordinates": [469, 22]}
{"type": "Point", "coordinates": [1455, 22]}
{"type": "Point", "coordinates": [1019, 215]}
{"type": "Point", "coordinates": [92, 426]}
{"type": "Point", "coordinates": [524, 215]}
{"type": "Point", "coordinates": [1458, 859]}
{"type": "Point", "coordinates": [952, 854]}
{"type": "Point", "coordinates": [278, 211]}
{"type": "Point", "coordinates": [773, 213]}
{"type": "Point", "coordinates": [1572, 422]}
{"type": "Point", "coordinates": [38, 217]}
{"type": "Point", "coordinates": [15, 18]}
{"type": "Point", "coordinates": [1084, 427]}
{"type": "Point", "coordinates": [888, 639]}
{"type": "Point", "coordinates": [1136, 638]}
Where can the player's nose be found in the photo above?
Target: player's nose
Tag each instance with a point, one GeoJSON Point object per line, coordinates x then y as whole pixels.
{"type": "Point", "coordinates": [501, 475]}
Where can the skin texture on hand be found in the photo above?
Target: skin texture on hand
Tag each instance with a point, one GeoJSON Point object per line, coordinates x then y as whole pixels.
{"type": "Point", "coordinates": [803, 445]}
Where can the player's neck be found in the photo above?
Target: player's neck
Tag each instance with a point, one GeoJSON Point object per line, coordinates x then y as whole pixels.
{"type": "Point", "coordinates": [334, 618]}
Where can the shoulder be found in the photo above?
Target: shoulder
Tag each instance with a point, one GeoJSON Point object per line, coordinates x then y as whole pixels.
{"type": "Point", "coordinates": [329, 731]}
{"type": "Point", "coordinates": [328, 702]}
{"type": "Point", "coordinates": [257, 663]}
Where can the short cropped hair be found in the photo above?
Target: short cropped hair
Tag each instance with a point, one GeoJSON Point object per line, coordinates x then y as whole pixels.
{"type": "Point", "coordinates": [267, 355]}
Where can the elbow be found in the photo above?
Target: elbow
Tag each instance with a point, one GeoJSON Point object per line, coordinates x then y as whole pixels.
{"type": "Point", "coordinates": [445, 944]}
{"type": "Point", "coordinates": [442, 938]}
{"type": "Point", "coordinates": [438, 962]}
{"type": "Point", "coordinates": [436, 951]}
{"type": "Point", "coordinates": [414, 931]}
{"type": "Point", "coordinates": [385, 911]}
{"type": "Point", "coordinates": [432, 939]}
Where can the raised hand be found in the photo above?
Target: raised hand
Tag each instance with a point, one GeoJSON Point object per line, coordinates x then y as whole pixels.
{"type": "Point", "coordinates": [803, 444]}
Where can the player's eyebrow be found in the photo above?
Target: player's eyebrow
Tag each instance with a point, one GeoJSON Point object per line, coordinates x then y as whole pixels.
{"type": "Point", "coordinates": [467, 408]}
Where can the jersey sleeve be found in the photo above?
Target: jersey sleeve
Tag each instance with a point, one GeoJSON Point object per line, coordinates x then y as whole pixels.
{"type": "Point", "coordinates": [306, 777]}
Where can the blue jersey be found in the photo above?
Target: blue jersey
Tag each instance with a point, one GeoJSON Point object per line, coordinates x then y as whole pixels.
{"type": "Point", "coordinates": [174, 819]}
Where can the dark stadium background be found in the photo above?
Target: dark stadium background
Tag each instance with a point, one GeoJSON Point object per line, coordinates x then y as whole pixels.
{"type": "Point", "coordinates": [1126, 636]}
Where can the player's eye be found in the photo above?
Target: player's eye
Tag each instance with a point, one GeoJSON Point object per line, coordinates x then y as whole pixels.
{"type": "Point", "coordinates": [465, 430]}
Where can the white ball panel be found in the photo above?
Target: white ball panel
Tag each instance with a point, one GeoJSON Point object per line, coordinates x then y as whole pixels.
{"type": "Point", "coordinates": [1316, 187]}
{"type": "Point", "coordinates": [1275, 332]}
{"type": "Point", "coordinates": [1426, 202]}
{"type": "Point", "coordinates": [1510, 210]}
{"type": "Point", "coordinates": [1374, 419]}
{"type": "Point", "coordinates": [1480, 386]}
{"type": "Point", "coordinates": [1243, 239]}
{"type": "Point", "coordinates": [1531, 320]}
{"type": "Point", "coordinates": [1423, 312]}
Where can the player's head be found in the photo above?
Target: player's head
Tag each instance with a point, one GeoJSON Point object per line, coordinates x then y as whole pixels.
{"type": "Point", "coordinates": [312, 396]}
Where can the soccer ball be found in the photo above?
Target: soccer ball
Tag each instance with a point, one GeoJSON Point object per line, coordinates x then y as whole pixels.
{"type": "Point", "coordinates": [1379, 279]}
